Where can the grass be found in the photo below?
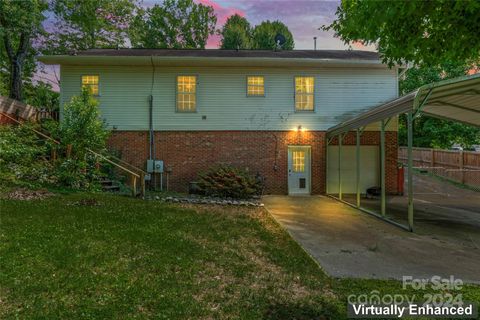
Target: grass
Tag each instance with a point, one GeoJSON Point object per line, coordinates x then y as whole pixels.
{"type": "Point", "coordinates": [78, 256]}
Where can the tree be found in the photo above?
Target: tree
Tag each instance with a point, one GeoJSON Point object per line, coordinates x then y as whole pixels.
{"type": "Point", "coordinates": [82, 25]}
{"type": "Point", "coordinates": [173, 24]}
{"type": "Point", "coordinates": [20, 23]}
{"type": "Point", "coordinates": [422, 32]}
{"type": "Point", "coordinates": [264, 35]}
{"type": "Point", "coordinates": [432, 132]}
{"type": "Point", "coordinates": [236, 33]}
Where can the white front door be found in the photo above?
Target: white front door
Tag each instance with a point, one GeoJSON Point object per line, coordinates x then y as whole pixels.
{"type": "Point", "coordinates": [299, 170]}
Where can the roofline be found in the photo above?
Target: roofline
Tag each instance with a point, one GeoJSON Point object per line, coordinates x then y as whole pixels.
{"type": "Point", "coordinates": [202, 61]}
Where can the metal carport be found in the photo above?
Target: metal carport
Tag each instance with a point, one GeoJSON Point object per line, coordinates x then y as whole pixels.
{"type": "Point", "coordinates": [454, 99]}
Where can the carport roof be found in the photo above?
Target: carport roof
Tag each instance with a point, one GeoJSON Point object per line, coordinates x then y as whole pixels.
{"type": "Point", "coordinates": [454, 99]}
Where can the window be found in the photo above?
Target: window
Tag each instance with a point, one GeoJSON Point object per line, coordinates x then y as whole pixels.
{"type": "Point", "coordinates": [91, 83]}
{"type": "Point", "coordinates": [304, 93]}
{"type": "Point", "coordinates": [186, 93]}
{"type": "Point", "coordinates": [298, 159]}
{"type": "Point", "coordinates": [255, 86]}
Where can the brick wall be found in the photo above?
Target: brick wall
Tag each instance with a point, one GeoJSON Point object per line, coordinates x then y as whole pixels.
{"type": "Point", "coordinates": [188, 152]}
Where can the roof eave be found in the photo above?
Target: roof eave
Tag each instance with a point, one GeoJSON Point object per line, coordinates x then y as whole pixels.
{"type": "Point", "coordinates": [203, 61]}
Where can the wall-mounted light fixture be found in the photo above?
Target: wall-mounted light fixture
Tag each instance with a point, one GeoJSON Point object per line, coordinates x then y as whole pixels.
{"type": "Point", "coordinates": [299, 129]}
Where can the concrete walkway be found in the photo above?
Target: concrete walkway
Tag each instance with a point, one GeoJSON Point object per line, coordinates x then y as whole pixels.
{"type": "Point", "coordinates": [349, 243]}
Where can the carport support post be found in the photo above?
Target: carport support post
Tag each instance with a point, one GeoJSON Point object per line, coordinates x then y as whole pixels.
{"type": "Point", "coordinates": [339, 166]}
{"type": "Point", "coordinates": [410, 168]}
{"type": "Point", "coordinates": [357, 156]}
{"type": "Point", "coordinates": [382, 168]}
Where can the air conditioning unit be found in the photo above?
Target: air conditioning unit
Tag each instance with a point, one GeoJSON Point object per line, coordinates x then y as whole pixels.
{"type": "Point", "coordinates": [154, 166]}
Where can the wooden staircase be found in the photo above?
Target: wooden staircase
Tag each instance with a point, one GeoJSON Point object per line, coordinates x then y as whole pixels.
{"type": "Point", "coordinates": [137, 175]}
{"type": "Point", "coordinates": [109, 185]}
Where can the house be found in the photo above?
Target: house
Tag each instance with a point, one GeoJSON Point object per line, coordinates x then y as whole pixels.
{"type": "Point", "coordinates": [265, 111]}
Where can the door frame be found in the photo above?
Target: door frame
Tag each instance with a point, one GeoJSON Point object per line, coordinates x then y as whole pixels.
{"type": "Point", "coordinates": [308, 148]}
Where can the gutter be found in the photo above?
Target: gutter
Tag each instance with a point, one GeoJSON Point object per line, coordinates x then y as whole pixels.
{"type": "Point", "coordinates": [192, 61]}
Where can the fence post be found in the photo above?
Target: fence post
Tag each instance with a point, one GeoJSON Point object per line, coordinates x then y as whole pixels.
{"type": "Point", "coordinates": [142, 185]}
{"type": "Point", "coordinates": [69, 151]}
{"type": "Point", "coordinates": [460, 164]}
{"type": "Point", "coordinates": [134, 186]}
{"type": "Point", "coordinates": [53, 154]}
{"type": "Point", "coordinates": [432, 158]}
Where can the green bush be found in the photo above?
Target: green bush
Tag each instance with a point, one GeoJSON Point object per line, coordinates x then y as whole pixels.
{"type": "Point", "coordinates": [23, 157]}
{"type": "Point", "coordinates": [77, 174]}
{"type": "Point", "coordinates": [82, 126]}
{"type": "Point", "coordinates": [229, 182]}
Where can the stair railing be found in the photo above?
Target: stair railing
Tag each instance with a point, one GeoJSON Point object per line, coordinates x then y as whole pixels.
{"type": "Point", "coordinates": [140, 174]}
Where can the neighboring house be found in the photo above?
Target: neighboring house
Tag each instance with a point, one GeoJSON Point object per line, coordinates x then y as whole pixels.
{"type": "Point", "coordinates": [266, 111]}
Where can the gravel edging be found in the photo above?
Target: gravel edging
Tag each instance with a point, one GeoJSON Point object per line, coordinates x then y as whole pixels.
{"type": "Point", "coordinates": [208, 200]}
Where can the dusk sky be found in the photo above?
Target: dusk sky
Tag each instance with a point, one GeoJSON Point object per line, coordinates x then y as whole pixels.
{"type": "Point", "coordinates": [303, 17]}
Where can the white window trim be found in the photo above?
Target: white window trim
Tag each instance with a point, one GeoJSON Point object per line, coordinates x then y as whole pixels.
{"type": "Point", "coordinates": [255, 95]}
{"type": "Point", "coordinates": [312, 94]}
{"type": "Point", "coordinates": [176, 93]}
{"type": "Point", "coordinates": [91, 75]}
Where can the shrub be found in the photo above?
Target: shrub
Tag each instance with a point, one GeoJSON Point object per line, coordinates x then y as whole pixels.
{"type": "Point", "coordinates": [24, 154]}
{"type": "Point", "coordinates": [78, 174]}
{"type": "Point", "coordinates": [229, 182]}
{"type": "Point", "coordinates": [82, 126]}
{"type": "Point", "coordinates": [22, 157]}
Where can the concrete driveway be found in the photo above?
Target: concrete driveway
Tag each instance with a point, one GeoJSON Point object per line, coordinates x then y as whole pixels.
{"type": "Point", "coordinates": [349, 243]}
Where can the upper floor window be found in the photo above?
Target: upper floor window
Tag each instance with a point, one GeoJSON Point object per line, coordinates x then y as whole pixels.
{"type": "Point", "coordinates": [255, 86]}
{"type": "Point", "coordinates": [186, 93]}
{"type": "Point", "coordinates": [91, 83]}
{"type": "Point", "coordinates": [304, 93]}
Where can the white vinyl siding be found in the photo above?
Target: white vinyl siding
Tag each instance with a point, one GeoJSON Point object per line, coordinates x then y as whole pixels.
{"type": "Point", "coordinates": [221, 101]}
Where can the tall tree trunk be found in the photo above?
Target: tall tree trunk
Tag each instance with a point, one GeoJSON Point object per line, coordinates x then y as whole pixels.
{"type": "Point", "coordinates": [16, 79]}
{"type": "Point", "coordinates": [17, 60]}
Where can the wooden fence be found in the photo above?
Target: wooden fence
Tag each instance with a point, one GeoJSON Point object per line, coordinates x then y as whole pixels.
{"type": "Point", "coordinates": [21, 111]}
{"type": "Point", "coordinates": [460, 166]}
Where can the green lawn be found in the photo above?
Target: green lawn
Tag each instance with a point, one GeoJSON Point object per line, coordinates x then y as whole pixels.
{"type": "Point", "coordinates": [121, 258]}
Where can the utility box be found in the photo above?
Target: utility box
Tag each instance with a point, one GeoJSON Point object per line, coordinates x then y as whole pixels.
{"type": "Point", "coordinates": [154, 166]}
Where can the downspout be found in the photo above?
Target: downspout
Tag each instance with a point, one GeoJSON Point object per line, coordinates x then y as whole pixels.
{"type": "Point", "coordinates": [150, 111]}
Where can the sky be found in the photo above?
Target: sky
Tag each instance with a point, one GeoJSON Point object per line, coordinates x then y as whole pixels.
{"type": "Point", "coordinates": [303, 18]}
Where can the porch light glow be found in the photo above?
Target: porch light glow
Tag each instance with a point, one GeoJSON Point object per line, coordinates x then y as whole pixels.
{"type": "Point", "coordinates": [299, 128]}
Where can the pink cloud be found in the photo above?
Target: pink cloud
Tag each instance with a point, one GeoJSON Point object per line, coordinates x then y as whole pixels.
{"type": "Point", "coordinates": [222, 13]}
